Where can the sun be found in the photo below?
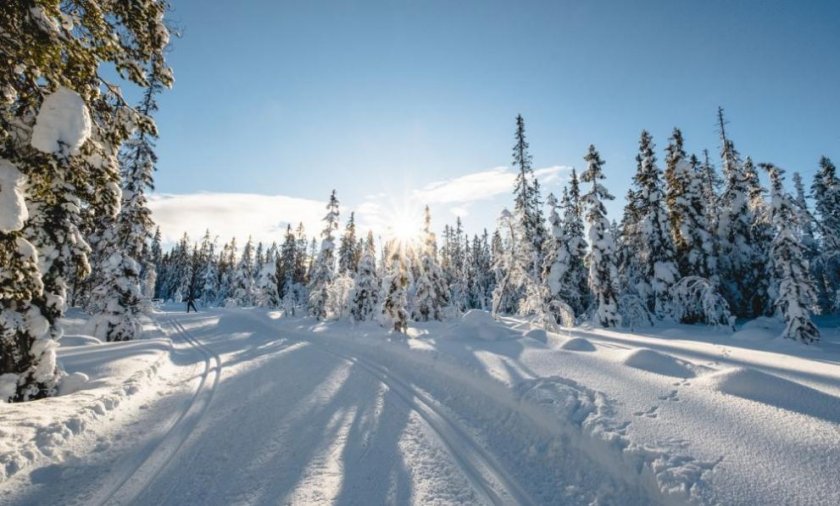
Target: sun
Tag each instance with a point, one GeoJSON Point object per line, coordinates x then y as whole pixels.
{"type": "Point", "coordinates": [404, 225]}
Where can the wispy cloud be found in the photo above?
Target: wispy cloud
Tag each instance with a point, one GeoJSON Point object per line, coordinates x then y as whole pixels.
{"type": "Point", "coordinates": [482, 185]}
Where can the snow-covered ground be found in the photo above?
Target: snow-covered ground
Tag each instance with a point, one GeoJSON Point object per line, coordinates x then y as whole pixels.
{"type": "Point", "coordinates": [239, 406]}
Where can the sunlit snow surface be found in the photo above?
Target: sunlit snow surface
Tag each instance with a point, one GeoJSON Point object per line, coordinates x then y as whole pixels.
{"type": "Point", "coordinates": [245, 406]}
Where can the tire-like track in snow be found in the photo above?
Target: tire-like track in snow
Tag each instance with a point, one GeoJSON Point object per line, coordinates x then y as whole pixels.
{"type": "Point", "coordinates": [482, 470]}
{"type": "Point", "coordinates": [133, 475]}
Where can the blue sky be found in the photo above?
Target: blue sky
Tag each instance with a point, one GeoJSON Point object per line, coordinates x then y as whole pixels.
{"type": "Point", "coordinates": [391, 102]}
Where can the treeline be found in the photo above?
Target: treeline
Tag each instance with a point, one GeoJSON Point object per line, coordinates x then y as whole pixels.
{"type": "Point", "coordinates": [694, 245]}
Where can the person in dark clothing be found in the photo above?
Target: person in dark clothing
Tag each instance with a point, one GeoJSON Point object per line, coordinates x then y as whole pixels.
{"type": "Point", "coordinates": [191, 303]}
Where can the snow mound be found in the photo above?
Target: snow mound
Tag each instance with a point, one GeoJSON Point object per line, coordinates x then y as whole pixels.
{"type": "Point", "coordinates": [72, 383]}
{"type": "Point", "coordinates": [768, 389]}
{"type": "Point", "coordinates": [577, 344]}
{"type": "Point", "coordinates": [760, 329]}
{"type": "Point", "coordinates": [62, 120]}
{"type": "Point", "coordinates": [481, 324]}
{"type": "Point", "coordinates": [13, 211]}
{"type": "Point", "coordinates": [78, 340]}
{"type": "Point", "coordinates": [658, 363]}
{"type": "Point", "coordinates": [537, 334]}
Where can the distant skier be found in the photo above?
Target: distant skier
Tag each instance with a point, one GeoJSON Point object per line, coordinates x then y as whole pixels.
{"type": "Point", "coordinates": [191, 303]}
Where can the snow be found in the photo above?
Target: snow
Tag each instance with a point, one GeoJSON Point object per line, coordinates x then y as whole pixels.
{"type": "Point", "coordinates": [658, 363]}
{"type": "Point", "coordinates": [13, 211]}
{"type": "Point", "coordinates": [577, 344]}
{"type": "Point", "coordinates": [481, 325]}
{"type": "Point", "coordinates": [63, 123]}
{"type": "Point", "coordinates": [247, 406]}
{"type": "Point", "coordinates": [772, 390]}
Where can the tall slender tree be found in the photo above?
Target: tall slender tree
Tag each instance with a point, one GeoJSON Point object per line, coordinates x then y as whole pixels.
{"type": "Point", "coordinates": [603, 274]}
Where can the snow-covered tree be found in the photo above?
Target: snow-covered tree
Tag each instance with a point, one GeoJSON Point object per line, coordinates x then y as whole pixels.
{"type": "Point", "coordinates": [654, 248]}
{"type": "Point", "coordinates": [565, 273]}
{"type": "Point", "coordinates": [431, 294]}
{"type": "Point", "coordinates": [267, 294]}
{"type": "Point", "coordinates": [688, 213]}
{"type": "Point", "coordinates": [61, 127]}
{"type": "Point", "coordinates": [323, 270]}
{"type": "Point", "coordinates": [795, 298]}
{"type": "Point", "coordinates": [826, 192]}
{"type": "Point", "coordinates": [365, 301]}
{"type": "Point", "coordinates": [527, 205]}
{"type": "Point", "coordinates": [741, 243]}
{"type": "Point", "coordinates": [243, 286]}
{"type": "Point", "coordinates": [603, 274]}
{"type": "Point", "coordinates": [394, 288]}
{"type": "Point", "coordinates": [508, 266]}
{"type": "Point", "coordinates": [348, 255]}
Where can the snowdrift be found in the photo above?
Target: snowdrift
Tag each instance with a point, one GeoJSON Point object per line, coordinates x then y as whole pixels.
{"type": "Point", "coordinates": [658, 363]}
{"type": "Point", "coordinates": [772, 390]}
{"type": "Point", "coordinates": [481, 325]}
{"type": "Point", "coordinates": [577, 344]}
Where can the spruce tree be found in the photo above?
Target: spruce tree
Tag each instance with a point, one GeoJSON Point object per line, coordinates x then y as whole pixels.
{"type": "Point", "coordinates": [323, 270]}
{"type": "Point", "coordinates": [826, 193]}
{"type": "Point", "coordinates": [394, 286]}
{"type": "Point", "coordinates": [348, 257]}
{"type": "Point", "coordinates": [741, 243]}
{"type": "Point", "coordinates": [365, 300]}
{"type": "Point", "coordinates": [654, 247]}
{"type": "Point", "coordinates": [431, 292]}
{"type": "Point", "coordinates": [527, 204]}
{"type": "Point", "coordinates": [687, 203]}
{"type": "Point", "coordinates": [603, 275]}
{"type": "Point", "coordinates": [243, 279]}
{"type": "Point", "coordinates": [795, 293]}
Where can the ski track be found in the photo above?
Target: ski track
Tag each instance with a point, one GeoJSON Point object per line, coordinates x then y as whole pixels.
{"type": "Point", "coordinates": [486, 476]}
{"type": "Point", "coordinates": [139, 470]}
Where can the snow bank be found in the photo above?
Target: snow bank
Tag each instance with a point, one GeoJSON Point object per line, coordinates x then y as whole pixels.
{"type": "Point", "coordinates": [102, 378]}
{"type": "Point", "coordinates": [481, 324]}
{"type": "Point", "coordinates": [13, 211]}
{"type": "Point", "coordinates": [79, 340]}
{"type": "Point", "coordinates": [655, 362]}
{"type": "Point", "coordinates": [577, 344]}
{"type": "Point", "coordinates": [62, 120]}
{"type": "Point", "coordinates": [775, 391]}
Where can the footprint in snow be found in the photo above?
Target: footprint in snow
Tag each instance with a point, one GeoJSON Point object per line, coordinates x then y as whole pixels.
{"type": "Point", "coordinates": [670, 396]}
{"type": "Point", "coordinates": [649, 413]}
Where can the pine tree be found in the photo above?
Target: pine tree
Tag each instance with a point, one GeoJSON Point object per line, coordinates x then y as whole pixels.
{"type": "Point", "coordinates": [365, 301]}
{"type": "Point", "coordinates": [348, 257]}
{"type": "Point", "coordinates": [687, 202]}
{"type": "Point", "coordinates": [243, 279]}
{"type": "Point", "coordinates": [323, 271]}
{"type": "Point", "coordinates": [267, 293]}
{"type": "Point", "coordinates": [227, 272]}
{"type": "Point", "coordinates": [121, 273]}
{"type": "Point", "coordinates": [740, 247]}
{"type": "Point", "coordinates": [603, 275]}
{"type": "Point", "coordinates": [795, 297]}
{"type": "Point", "coordinates": [395, 284]}
{"type": "Point", "coordinates": [654, 249]}
{"type": "Point", "coordinates": [156, 253]}
{"type": "Point", "coordinates": [826, 193]}
{"type": "Point", "coordinates": [527, 204]}
{"type": "Point", "coordinates": [431, 293]}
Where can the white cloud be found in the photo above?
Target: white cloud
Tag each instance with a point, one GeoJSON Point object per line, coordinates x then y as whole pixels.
{"type": "Point", "coordinates": [264, 217]}
{"type": "Point", "coordinates": [480, 185]}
